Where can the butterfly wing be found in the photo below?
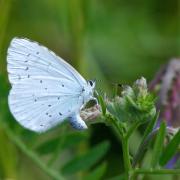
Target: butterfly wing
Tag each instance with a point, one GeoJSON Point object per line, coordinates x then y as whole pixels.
{"type": "Point", "coordinates": [25, 55]}
{"type": "Point", "coordinates": [45, 89]}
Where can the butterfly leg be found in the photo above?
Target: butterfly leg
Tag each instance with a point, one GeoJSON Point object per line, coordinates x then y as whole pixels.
{"type": "Point", "coordinates": [77, 122]}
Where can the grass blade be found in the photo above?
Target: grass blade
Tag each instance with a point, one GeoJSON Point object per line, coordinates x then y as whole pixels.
{"type": "Point", "coordinates": [102, 104]}
{"type": "Point", "coordinates": [158, 146]}
{"type": "Point", "coordinates": [170, 149]}
{"type": "Point", "coordinates": [141, 150]}
{"type": "Point", "coordinates": [150, 127]}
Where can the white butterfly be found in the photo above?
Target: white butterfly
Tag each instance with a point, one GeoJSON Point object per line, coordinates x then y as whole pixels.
{"type": "Point", "coordinates": [45, 89]}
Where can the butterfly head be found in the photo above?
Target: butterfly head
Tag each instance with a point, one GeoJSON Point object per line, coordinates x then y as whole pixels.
{"type": "Point", "coordinates": [88, 90]}
{"type": "Point", "coordinates": [91, 84]}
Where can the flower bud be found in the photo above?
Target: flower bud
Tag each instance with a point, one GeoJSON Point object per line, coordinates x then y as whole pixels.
{"type": "Point", "coordinates": [135, 103]}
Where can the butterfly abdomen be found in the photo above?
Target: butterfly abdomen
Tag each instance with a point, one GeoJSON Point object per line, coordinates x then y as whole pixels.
{"type": "Point", "coordinates": [77, 122]}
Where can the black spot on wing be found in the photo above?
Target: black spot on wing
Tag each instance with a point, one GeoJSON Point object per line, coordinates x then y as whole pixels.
{"type": "Point", "coordinates": [19, 77]}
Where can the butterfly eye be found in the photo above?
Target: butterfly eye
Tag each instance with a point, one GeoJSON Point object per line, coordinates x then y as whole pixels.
{"type": "Point", "coordinates": [91, 83]}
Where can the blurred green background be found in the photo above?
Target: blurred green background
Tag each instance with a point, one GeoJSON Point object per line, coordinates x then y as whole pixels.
{"type": "Point", "coordinates": [112, 41]}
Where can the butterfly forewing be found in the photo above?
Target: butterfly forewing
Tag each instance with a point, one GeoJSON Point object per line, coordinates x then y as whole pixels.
{"type": "Point", "coordinates": [25, 56]}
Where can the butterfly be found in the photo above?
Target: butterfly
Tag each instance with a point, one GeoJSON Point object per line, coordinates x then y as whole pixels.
{"type": "Point", "coordinates": [46, 90]}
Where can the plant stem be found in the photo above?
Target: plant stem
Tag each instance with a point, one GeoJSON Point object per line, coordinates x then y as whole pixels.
{"type": "Point", "coordinates": [156, 171]}
{"type": "Point", "coordinates": [125, 148]}
{"type": "Point", "coordinates": [126, 157]}
{"type": "Point", "coordinates": [119, 132]}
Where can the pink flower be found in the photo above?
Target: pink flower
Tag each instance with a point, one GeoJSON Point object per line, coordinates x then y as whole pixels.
{"type": "Point", "coordinates": [167, 86]}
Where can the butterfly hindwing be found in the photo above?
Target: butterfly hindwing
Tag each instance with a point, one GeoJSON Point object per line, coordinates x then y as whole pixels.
{"type": "Point", "coordinates": [40, 113]}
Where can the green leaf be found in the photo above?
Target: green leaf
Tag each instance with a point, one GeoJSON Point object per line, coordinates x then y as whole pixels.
{"type": "Point", "coordinates": [120, 177]}
{"type": "Point", "coordinates": [97, 173]}
{"type": "Point", "coordinates": [70, 140]}
{"type": "Point", "coordinates": [111, 109]}
{"type": "Point", "coordinates": [170, 149]}
{"type": "Point", "coordinates": [102, 103]}
{"type": "Point", "coordinates": [158, 146]}
{"type": "Point", "coordinates": [87, 160]}
{"type": "Point", "coordinates": [150, 126]}
{"type": "Point", "coordinates": [116, 110]}
{"type": "Point", "coordinates": [73, 139]}
{"type": "Point", "coordinates": [48, 146]}
{"type": "Point", "coordinates": [143, 146]}
{"type": "Point", "coordinates": [115, 90]}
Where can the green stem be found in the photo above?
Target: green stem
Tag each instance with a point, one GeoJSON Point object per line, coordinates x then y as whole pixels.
{"type": "Point", "coordinates": [126, 157]}
{"type": "Point", "coordinates": [53, 174]}
{"type": "Point", "coordinates": [125, 148]}
{"type": "Point", "coordinates": [156, 171]}
{"type": "Point", "coordinates": [118, 130]}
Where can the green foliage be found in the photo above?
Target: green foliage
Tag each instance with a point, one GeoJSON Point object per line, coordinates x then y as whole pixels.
{"type": "Point", "coordinates": [144, 142]}
{"type": "Point", "coordinates": [158, 146]}
{"type": "Point", "coordinates": [69, 141]}
{"type": "Point", "coordinates": [170, 150]}
{"type": "Point", "coordinates": [84, 162]}
{"type": "Point", "coordinates": [102, 103]}
{"type": "Point", "coordinates": [150, 127]}
{"type": "Point", "coordinates": [135, 104]}
{"type": "Point", "coordinates": [98, 172]}
{"type": "Point", "coordinates": [134, 107]}
{"type": "Point", "coordinates": [120, 177]}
